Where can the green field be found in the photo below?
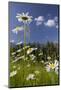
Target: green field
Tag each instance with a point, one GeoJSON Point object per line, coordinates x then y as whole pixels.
{"type": "Point", "coordinates": [30, 70]}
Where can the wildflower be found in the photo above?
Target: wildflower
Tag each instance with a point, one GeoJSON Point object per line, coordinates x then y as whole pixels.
{"type": "Point", "coordinates": [24, 17]}
{"type": "Point", "coordinates": [34, 61]}
{"type": "Point", "coordinates": [18, 68]}
{"type": "Point", "coordinates": [52, 66]}
{"type": "Point", "coordinates": [56, 63]}
{"type": "Point", "coordinates": [37, 72]}
{"type": "Point", "coordinates": [40, 54]}
{"type": "Point", "coordinates": [12, 41]}
{"type": "Point", "coordinates": [13, 73]}
{"type": "Point", "coordinates": [29, 50]}
{"type": "Point", "coordinates": [48, 57]}
{"type": "Point", "coordinates": [18, 59]}
{"type": "Point", "coordinates": [56, 66]}
{"type": "Point", "coordinates": [19, 50]}
{"type": "Point", "coordinates": [56, 70]}
{"type": "Point", "coordinates": [48, 68]}
{"type": "Point", "coordinates": [32, 57]}
{"type": "Point", "coordinates": [14, 66]}
{"type": "Point", "coordinates": [13, 53]}
{"type": "Point", "coordinates": [30, 77]}
{"type": "Point", "coordinates": [42, 61]}
{"type": "Point", "coordinates": [18, 28]}
{"type": "Point", "coordinates": [28, 65]}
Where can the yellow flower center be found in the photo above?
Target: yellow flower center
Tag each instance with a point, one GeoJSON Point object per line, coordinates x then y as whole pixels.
{"type": "Point", "coordinates": [52, 66]}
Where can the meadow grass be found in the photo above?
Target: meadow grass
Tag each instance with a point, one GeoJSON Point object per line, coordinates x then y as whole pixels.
{"type": "Point", "coordinates": [42, 78]}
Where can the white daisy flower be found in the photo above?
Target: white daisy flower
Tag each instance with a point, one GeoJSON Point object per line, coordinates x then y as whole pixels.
{"type": "Point", "coordinates": [56, 63]}
{"type": "Point", "coordinates": [13, 73]}
{"type": "Point", "coordinates": [34, 48]}
{"type": "Point", "coordinates": [42, 61]}
{"type": "Point", "coordinates": [24, 17]}
{"type": "Point", "coordinates": [37, 72]}
{"type": "Point", "coordinates": [12, 41]}
{"type": "Point", "coordinates": [40, 54]}
{"type": "Point", "coordinates": [18, 68]}
{"type": "Point", "coordinates": [30, 77]}
{"type": "Point", "coordinates": [47, 68]}
{"type": "Point", "coordinates": [52, 66]}
{"type": "Point", "coordinates": [13, 53]}
{"type": "Point", "coordinates": [19, 50]}
{"type": "Point", "coordinates": [18, 28]}
{"type": "Point", "coordinates": [56, 70]}
{"type": "Point", "coordinates": [18, 59]}
{"type": "Point", "coordinates": [28, 65]}
{"type": "Point", "coordinates": [32, 57]}
{"type": "Point", "coordinates": [29, 50]}
{"type": "Point", "coordinates": [48, 57]}
{"type": "Point", "coordinates": [14, 66]}
{"type": "Point", "coordinates": [34, 61]}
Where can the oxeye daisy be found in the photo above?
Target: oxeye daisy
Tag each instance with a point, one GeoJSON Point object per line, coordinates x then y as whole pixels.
{"type": "Point", "coordinates": [13, 73]}
{"type": "Point", "coordinates": [18, 28]}
{"type": "Point", "coordinates": [29, 50]}
{"type": "Point", "coordinates": [24, 17]}
{"type": "Point", "coordinates": [37, 72]}
{"type": "Point", "coordinates": [52, 65]}
{"type": "Point", "coordinates": [30, 77]}
{"type": "Point", "coordinates": [13, 53]}
{"type": "Point", "coordinates": [49, 58]}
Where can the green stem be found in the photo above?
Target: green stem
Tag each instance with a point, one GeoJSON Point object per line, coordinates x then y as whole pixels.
{"type": "Point", "coordinates": [24, 41]}
{"type": "Point", "coordinates": [24, 52]}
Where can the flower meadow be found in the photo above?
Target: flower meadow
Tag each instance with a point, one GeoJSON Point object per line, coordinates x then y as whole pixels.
{"type": "Point", "coordinates": [32, 63]}
{"type": "Point", "coordinates": [39, 66]}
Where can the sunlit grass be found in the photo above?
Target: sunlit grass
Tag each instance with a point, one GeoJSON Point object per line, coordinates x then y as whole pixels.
{"type": "Point", "coordinates": [43, 78]}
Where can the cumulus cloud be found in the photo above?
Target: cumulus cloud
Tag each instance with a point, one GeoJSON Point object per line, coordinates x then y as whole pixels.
{"type": "Point", "coordinates": [57, 26]}
{"type": "Point", "coordinates": [56, 19]}
{"type": "Point", "coordinates": [50, 23]}
{"type": "Point", "coordinates": [39, 20]}
{"type": "Point", "coordinates": [11, 41]}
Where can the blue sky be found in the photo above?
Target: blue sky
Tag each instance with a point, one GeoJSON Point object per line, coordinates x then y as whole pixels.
{"type": "Point", "coordinates": [44, 25]}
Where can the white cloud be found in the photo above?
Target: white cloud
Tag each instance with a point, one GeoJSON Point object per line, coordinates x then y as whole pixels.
{"type": "Point", "coordinates": [38, 23]}
{"type": "Point", "coordinates": [39, 20]}
{"type": "Point", "coordinates": [57, 26]}
{"type": "Point", "coordinates": [56, 19]}
{"type": "Point", "coordinates": [15, 30]}
{"type": "Point", "coordinates": [12, 41]}
{"type": "Point", "coordinates": [50, 23]}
